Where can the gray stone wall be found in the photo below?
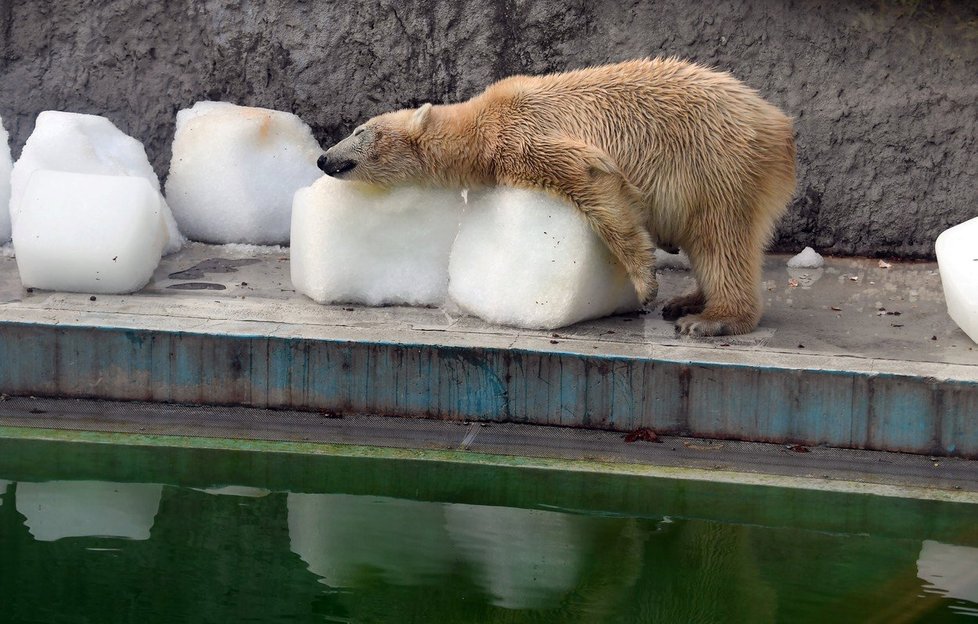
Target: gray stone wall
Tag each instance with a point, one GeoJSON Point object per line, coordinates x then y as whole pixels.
{"type": "Point", "coordinates": [885, 93]}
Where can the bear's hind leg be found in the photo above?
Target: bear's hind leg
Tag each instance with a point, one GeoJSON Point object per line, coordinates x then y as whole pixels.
{"type": "Point", "coordinates": [728, 269]}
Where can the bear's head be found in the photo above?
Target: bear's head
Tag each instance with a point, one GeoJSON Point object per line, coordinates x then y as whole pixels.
{"type": "Point", "coordinates": [385, 150]}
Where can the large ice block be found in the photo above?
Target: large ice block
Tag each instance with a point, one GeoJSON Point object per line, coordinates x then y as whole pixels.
{"type": "Point", "coordinates": [529, 259]}
{"type": "Point", "coordinates": [360, 244]}
{"type": "Point", "coordinates": [88, 233]}
{"type": "Point", "coordinates": [234, 171]}
{"type": "Point", "coordinates": [957, 258]}
{"type": "Point", "coordinates": [80, 143]}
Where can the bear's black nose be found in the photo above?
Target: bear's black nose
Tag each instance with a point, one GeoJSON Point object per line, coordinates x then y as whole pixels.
{"type": "Point", "coordinates": [333, 166]}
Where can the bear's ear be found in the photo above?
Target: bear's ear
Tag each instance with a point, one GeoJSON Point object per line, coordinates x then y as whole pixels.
{"type": "Point", "coordinates": [421, 117]}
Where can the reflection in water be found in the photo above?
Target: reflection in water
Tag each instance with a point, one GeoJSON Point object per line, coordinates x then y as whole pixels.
{"type": "Point", "coordinates": [524, 559]}
{"type": "Point", "coordinates": [58, 509]}
{"type": "Point", "coordinates": [952, 572]}
{"type": "Point", "coordinates": [236, 490]}
{"type": "Point", "coordinates": [248, 554]}
{"type": "Point", "coordinates": [345, 538]}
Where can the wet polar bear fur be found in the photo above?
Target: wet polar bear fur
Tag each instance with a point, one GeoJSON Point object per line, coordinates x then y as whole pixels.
{"type": "Point", "coordinates": [652, 151]}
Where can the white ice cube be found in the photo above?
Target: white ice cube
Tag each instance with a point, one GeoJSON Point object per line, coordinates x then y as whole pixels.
{"type": "Point", "coordinates": [234, 171]}
{"type": "Point", "coordinates": [85, 144]}
{"type": "Point", "coordinates": [529, 259]}
{"type": "Point", "coordinates": [5, 167]}
{"type": "Point", "coordinates": [361, 244]}
{"type": "Point", "coordinates": [957, 258]}
{"type": "Point", "coordinates": [807, 259]}
{"type": "Point", "coordinates": [88, 233]}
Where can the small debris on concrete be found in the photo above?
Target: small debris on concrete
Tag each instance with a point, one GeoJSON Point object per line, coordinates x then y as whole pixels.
{"type": "Point", "coordinates": [801, 346]}
{"type": "Point", "coordinates": [554, 342]}
{"type": "Point", "coordinates": [724, 344]}
{"type": "Point", "coordinates": [643, 434]}
{"type": "Point", "coordinates": [884, 264]}
{"type": "Point", "coordinates": [792, 283]}
{"type": "Point", "coordinates": [896, 325]}
{"type": "Point", "coordinates": [933, 337]}
{"type": "Point", "coordinates": [331, 414]}
{"type": "Point", "coordinates": [837, 308]}
{"type": "Point", "coordinates": [853, 278]}
{"type": "Point", "coordinates": [799, 448]}
{"type": "Point", "coordinates": [348, 309]}
{"type": "Point", "coordinates": [92, 298]}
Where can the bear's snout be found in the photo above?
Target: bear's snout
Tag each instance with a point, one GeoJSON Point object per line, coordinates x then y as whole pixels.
{"type": "Point", "coordinates": [333, 166]}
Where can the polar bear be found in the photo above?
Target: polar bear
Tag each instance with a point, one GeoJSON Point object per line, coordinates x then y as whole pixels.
{"type": "Point", "coordinates": [658, 151]}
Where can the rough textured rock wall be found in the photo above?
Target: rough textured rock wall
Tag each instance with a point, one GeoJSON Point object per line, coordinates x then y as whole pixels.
{"type": "Point", "coordinates": [885, 93]}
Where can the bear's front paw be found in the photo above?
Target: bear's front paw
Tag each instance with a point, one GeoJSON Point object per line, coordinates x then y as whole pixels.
{"type": "Point", "coordinates": [647, 287]}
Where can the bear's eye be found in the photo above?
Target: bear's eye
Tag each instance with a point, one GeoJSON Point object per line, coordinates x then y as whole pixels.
{"type": "Point", "coordinates": [358, 131]}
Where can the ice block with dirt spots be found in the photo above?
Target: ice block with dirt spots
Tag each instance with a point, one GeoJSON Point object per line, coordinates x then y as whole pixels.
{"type": "Point", "coordinates": [88, 233]}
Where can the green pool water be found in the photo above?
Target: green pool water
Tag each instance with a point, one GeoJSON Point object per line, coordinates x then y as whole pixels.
{"type": "Point", "coordinates": [119, 533]}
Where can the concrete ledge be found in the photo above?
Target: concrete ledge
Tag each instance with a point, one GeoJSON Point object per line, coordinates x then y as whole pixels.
{"type": "Point", "coordinates": [618, 374]}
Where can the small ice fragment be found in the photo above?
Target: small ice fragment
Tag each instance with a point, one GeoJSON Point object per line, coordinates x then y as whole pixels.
{"type": "Point", "coordinates": [807, 259]}
{"type": "Point", "coordinates": [360, 244]}
{"type": "Point", "coordinates": [529, 259]}
{"type": "Point", "coordinates": [245, 249]}
{"type": "Point", "coordinates": [235, 170]}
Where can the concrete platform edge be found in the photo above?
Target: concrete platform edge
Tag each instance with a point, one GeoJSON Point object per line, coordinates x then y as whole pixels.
{"type": "Point", "coordinates": [742, 395]}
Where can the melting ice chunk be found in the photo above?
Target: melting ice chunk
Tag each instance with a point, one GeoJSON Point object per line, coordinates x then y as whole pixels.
{"type": "Point", "coordinates": [88, 233]}
{"type": "Point", "coordinates": [957, 258]}
{"type": "Point", "coordinates": [807, 259]}
{"type": "Point", "coordinates": [360, 244]}
{"type": "Point", "coordinates": [528, 259]}
{"type": "Point", "coordinates": [234, 171]}
{"type": "Point", "coordinates": [85, 144]}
